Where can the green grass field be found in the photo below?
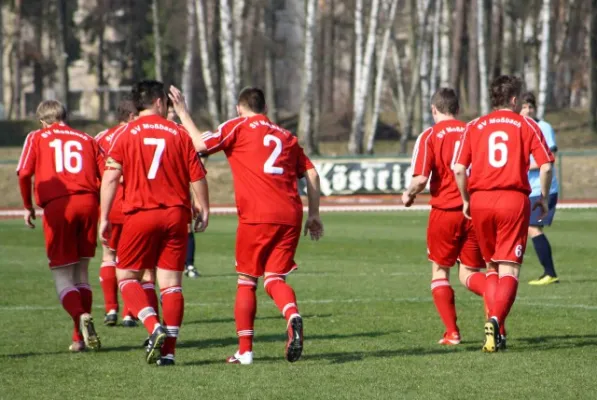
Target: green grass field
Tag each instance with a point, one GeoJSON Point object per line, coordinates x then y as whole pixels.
{"type": "Point", "coordinates": [370, 326]}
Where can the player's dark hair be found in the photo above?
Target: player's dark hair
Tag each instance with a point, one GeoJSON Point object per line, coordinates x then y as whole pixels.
{"type": "Point", "coordinates": [503, 88]}
{"type": "Point", "coordinates": [253, 99]}
{"type": "Point", "coordinates": [126, 107]}
{"type": "Point", "coordinates": [145, 93]}
{"type": "Point", "coordinates": [529, 98]}
{"type": "Point", "coordinates": [446, 101]}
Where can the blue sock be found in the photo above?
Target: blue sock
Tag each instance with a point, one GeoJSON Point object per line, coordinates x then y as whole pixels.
{"type": "Point", "coordinates": [543, 249]}
{"type": "Point", "coordinates": [190, 250]}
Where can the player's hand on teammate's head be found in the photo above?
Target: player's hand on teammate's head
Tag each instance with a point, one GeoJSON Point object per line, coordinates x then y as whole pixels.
{"type": "Point", "coordinates": [314, 227]}
{"type": "Point", "coordinates": [29, 217]}
{"type": "Point", "coordinates": [201, 216]}
{"type": "Point", "coordinates": [178, 101]}
{"type": "Point", "coordinates": [408, 199]}
{"type": "Point", "coordinates": [541, 203]}
{"type": "Point", "coordinates": [105, 231]}
{"type": "Point", "coordinates": [466, 209]}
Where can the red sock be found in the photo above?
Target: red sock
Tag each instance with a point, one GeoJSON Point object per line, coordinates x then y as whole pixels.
{"type": "Point", "coordinates": [86, 296]}
{"type": "Point", "coordinates": [505, 296]}
{"type": "Point", "coordinates": [172, 313]}
{"type": "Point", "coordinates": [245, 308]}
{"type": "Point", "coordinates": [135, 300]}
{"type": "Point", "coordinates": [152, 297]}
{"type": "Point", "coordinates": [71, 301]}
{"type": "Point", "coordinates": [443, 297]}
{"type": "Point", "coordinates": [492, 279]}
{"type": "Point", "coordinates": [476, 283]}
{"type": "Point", "coordinates": [107, 278]}
{"type": "Point", "coordinates": [282, 294]}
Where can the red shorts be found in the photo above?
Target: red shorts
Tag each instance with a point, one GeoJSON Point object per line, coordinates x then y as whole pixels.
{"type": "Point", "coordinates": [501, 220]}
{"type": "Point", "coordinates": [115, 237]}
{"type": "Point", "coordinates": [262, 248]}
{"type": "Point", "coordinates": [451, 238]}
{"type": "Point", "coordinates": [154, 238]}
{"type": "Point", "coordinates": [70, 229]}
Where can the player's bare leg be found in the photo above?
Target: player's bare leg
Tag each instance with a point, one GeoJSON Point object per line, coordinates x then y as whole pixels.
{"type": "Point", "coordinates": [172, 312]}
{"type": "Point", "coordinates": [505, 295]}
{"type": "Point", "coordinates": [283, 295]}
{"type": "Point", "coordinates": [443, 298]}
{"type": "Point", "coordinates": [84, 332]}
{"type": "Point", "coordinates": [245, 308]}
{"type": "Point", "coordinates": [135, 299]}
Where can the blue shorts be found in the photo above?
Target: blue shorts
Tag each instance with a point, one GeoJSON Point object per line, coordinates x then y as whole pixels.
{"type": "Point", "coordinates": [535, 214]}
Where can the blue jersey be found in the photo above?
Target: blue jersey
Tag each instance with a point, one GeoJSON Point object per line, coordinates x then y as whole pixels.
{"type": "Point", "coordinates": [550, 138]}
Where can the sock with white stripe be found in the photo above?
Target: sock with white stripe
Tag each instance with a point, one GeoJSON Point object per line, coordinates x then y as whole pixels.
{"type": "Point", "coordinates": [282, 294]}
{"type": "Point", "coordinates": [245, 308]}
{"type": "Point", "coordinates": [152, 297]}
{"type": "Point", "coordinates": [172, 314]}
{"type": "Point", "coordinates": [136, 301]}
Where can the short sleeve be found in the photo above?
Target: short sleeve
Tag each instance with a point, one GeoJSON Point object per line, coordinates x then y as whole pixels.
{"type": "Point", "coordinates": [422, 159]}
{"type": "Point", "coordinates": [26, 166]}
{"type": "Point", "coordinates": [304, 163]}
{"type": "Point", "coordinates": [224, 137]}
{"type": "Point", "coordinates": [464, 154]}
{"type": "Point", "coordinates": [549, 134]}
{"type": "Point", "coordinates": [539, 147]}
{"type": "Point", "coordinates": [116, 151]}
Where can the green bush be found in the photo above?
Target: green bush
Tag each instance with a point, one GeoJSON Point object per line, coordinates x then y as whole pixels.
{"type": "Point", "coordinates": [13, 133]}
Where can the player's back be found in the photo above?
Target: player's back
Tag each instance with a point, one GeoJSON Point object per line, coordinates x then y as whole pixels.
{"type": "Point", "coordinates": [502, 142]}
{"type": "Point", "coordinates": [64, 161]}
{"type": "Point", "coordinates": [445, 141]}
{"type": "Point", "coordinates": [155, 163]}
{"type": "Point", "coordinates": [266, 162]}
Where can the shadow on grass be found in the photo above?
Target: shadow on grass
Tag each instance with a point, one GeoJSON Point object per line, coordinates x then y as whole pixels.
{"type": "Point", "coordinates": [230, 320]}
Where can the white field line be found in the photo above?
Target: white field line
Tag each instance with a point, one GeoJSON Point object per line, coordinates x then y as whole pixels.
{"type": "Point", "coordinates": [521, 301]}
{"type": "Point", "coordinates": [339, 208]}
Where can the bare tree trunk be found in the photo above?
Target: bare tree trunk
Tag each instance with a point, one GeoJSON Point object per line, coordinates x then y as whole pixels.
{"type": "Point", "coordinates": [2, 108]}
{"type": "Point", "coordinates": [238, 10]}
{"type": "Point", "coordinates": [435, 53]}
{"type": "Point", "coordinates": [305, 125]}
{"type": "Point", "coordinates": [484, 91]}
{"type": "Point", "coordinates": [226, 43]}
{"type": "Point", "coordinates": [400, 91]}
{"type": "Point", "coordinates": [358, 48]}
{"type": "Point", "coordinates": [508, 52]}
{"type": "Point", "coordinates": [425, 42]}
{"type": "Point", "coordinates": [495, 65]}
{"type": "Point", "coordinates": [212, 100]}
{"type": "Point", "coordinates": [189, 57]}
{"type": "Point", "coordinates": [544, 58]}
{"type": "Point", "coordinates": [473, 59]}
{"type": "Point", "coordinates": [593, 46]}
{"type": "Point", "coordinates": [381, 62]}
{"type": "Point", "coordinates": [157, 41]}
{"type": "Point", "coordinates": [267, 28]}
{"type": "Point", "coordinates": [444, 67]}
{"type": "Point", "coordinates": [457, 38]}
{"type": "Point", "coordinates": [355, 142]}
{"type": "Point", "coordinates": [62, 56]}
{"type": "Point", "coordinates": [327, 67]}
{"type": "Point", "coordinates": [101, 76]}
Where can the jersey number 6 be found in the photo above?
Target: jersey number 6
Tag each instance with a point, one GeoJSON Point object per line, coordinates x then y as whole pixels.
{"type": "Point", "coordinates": [496, 148]}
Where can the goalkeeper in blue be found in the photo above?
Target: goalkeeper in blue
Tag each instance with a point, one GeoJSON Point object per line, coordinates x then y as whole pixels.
{"type": "Point", "coordinates": [540, 242]}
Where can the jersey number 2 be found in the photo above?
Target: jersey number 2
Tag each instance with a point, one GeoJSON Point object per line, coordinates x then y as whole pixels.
{"type": "Point", "coordinates": [269, 167]}
{"type": "Point", "coordinates": [157, 156]}
{"type": "Point", "coordinates": [67, 157]}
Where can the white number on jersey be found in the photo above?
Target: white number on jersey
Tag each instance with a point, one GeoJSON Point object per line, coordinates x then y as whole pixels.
{"type": "Point", "coordinates": [268, 167]}
{"type": "Point", "coordinates": [67, 157]}
{"type": "Point", "coordinates": [157, 156]}
{"type": "Point", "coordinates": [498, 151]}
{"type": "Point", "coordinates": [456, 148]}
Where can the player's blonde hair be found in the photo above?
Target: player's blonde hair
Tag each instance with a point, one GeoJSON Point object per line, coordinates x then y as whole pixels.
{"type": "Point", "coordinates": [51, 111]}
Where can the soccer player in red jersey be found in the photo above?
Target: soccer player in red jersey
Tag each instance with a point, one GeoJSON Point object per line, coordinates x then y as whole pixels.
{"type": "Point", "coordinates": [450, 236]}
{"type": "Point", "coordinates": [157, 161]}
{"type": "Point", "coordinates": [498, 147]}
{"type": "Point", "coordinates": [266, 163]}
{"type": "Point", "coordinates": [64, 162]}
{"type": "Point", "coordinates": [126, 112]}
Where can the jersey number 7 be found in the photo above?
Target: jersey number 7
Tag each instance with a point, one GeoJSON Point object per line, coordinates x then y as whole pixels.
{"type": "Point", "coordinates": [157, 156]}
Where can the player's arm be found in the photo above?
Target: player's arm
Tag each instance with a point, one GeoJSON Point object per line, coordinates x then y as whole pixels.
{"type": "Point", "coordinates": [422, 161]}
{"type": "Point", "coordinates": [550, 139]}
{"type": "Point", "coordinates": [544, 158]}
{"type": "Point", "coordinates": [313, 226]}
{"type": "Point", "coordinates": [179, 104]}
{"type": "Point", "coordinates": [200, 196]}
{"type": "Point", "coordinates": [110, 182]}
{"type": "Point", "coordinates": [463, 160]}
{"type": "Point", "coordinates": [25, 171]}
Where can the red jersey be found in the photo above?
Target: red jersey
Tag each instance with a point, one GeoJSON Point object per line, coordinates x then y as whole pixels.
{"type": "Point", "coordinates": [104, 141]}
{"type": "Point", "coordinates": [433, 156]}
{"type": "Point", "coordinates": [158, 161]}
{"type": "Point", "coordinates": [266, 162]}
{"type": "Point", "coordinates": [63, 160]}
{"type": "Point", "coordinates": [498, 146]}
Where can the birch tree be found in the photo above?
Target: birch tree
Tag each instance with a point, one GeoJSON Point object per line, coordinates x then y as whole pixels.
{"type": "Point", "coordinates": [425, 64]}
{"type": "Point", "coordinates": [473, 59]}
{"type": "Point", "coordinates": [508, 53]}
{"type": "Point", "coordinates": [457, 38]}
{"type": "Point", "coordinates": [544, 58]}
{"type": "Point", "coordinates": [484, 91]}
{"type": "Point", "coordinates": [381, 60]}
{"type": "Point", "coordinates": [435, 53]}
{"type": "Point", "coordinates": [358, 47]}
{"type": "Point", "coordinates": [227, 46]}
{"type": "Point", "coordinates": [355, 142]}
{"type": "Point", "coordinates": [2, 109]}
{"type": "Point", "coordinates": [238, 11]}
{"type": "Point", "coordinates": [62, 56]}
{"type": "Point", "coordinates": [593, 58]}
{"type": "Point", "coordinates": [157, 41]}
{"type": "Point", "coordinates": [444, 67]}
{"type": "Point", "coordinates": [212, 100]}
{"type": "Point", "coordinates": [267, 30]}
{"type": "Point", "coordinates": [305, 125]}
{"type": "Point", "coordinates": [187, 66]}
